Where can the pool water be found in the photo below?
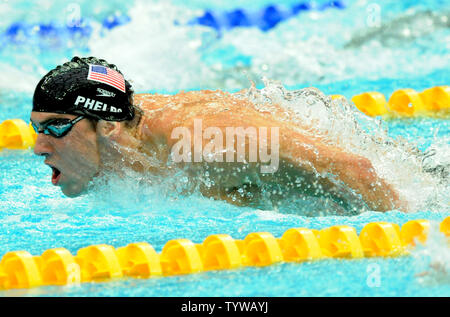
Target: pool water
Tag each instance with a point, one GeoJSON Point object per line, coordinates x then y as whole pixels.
{"type": "Point", "coordinates": [330, 48]}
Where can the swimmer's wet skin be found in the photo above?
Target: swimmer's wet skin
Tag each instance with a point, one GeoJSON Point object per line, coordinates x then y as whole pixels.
{"type": "Point", "coordinates": [136, 131]}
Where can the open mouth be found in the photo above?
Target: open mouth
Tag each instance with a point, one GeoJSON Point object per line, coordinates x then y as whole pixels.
{"type": "Point", "coordinates": [56, 174]}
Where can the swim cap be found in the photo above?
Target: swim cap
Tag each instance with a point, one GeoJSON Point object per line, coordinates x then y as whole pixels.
{"type": "Point", "coordinates": [85, 86]}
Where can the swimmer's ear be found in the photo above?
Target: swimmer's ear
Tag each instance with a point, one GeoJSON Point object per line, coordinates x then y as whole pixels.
{"type": "Point", "coordinates": [108, 129]}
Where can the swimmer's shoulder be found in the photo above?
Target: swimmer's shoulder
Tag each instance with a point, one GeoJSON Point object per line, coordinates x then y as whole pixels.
{"type": "Point", "coordinates": [161, 113]}
{"type": "Point", "coordinates": [187, 99]}
{"type": "Point", "coordinates": [147, 101]}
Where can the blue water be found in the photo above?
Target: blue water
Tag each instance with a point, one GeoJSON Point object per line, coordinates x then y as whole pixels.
{"type": "Point", "coordinates": [35, 216]}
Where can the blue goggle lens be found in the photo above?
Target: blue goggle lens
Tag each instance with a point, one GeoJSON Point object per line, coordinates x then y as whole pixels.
{"type": "Point", "coordinates": [58, 127]}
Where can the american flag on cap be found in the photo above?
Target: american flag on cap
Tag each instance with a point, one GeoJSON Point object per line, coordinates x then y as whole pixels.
{"type": "Point", "coordinates": [107, 76]}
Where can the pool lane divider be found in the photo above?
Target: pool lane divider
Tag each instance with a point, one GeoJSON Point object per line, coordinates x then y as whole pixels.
{"type": "Point", "coordinates": [404, 103]}
{"type": "Point", "coordinates": [100, 263]}
{"type": "Point", "coordinates": [433, 102]}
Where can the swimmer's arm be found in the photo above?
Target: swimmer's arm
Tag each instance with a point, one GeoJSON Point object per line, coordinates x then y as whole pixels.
{"type": "Point", "coordinates": [355, 171]}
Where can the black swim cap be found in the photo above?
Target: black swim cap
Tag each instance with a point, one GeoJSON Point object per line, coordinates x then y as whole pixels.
{"type": "Point", "coordinates": [85, 86]}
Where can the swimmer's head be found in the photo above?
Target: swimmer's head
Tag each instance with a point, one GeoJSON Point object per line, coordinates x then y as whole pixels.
{"type": "Point", "coordinates": [85, 86]}
{"type": "Point", "coordinates": [71, 106]}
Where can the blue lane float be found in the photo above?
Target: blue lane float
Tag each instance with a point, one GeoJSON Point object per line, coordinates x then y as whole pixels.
{"type": "Point", "coordinates": [22, 32]}
{"type": "Point", "coordinates": [265, 19]}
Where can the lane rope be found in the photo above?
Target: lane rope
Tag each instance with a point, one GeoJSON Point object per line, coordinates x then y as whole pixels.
{"type": "Point", "coordinates": [100, 263]}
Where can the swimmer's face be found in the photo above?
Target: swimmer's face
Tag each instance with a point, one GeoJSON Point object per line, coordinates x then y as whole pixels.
{"type": "Point", "coordinates": [74, 158]}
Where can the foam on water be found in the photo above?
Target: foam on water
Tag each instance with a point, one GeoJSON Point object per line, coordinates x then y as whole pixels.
{"type": "Point", "coordinates": [432, 258]}
{"type": "Point", "coordinates": [17, 80]}
{"type": "Point", "coordinates": [163, 56]}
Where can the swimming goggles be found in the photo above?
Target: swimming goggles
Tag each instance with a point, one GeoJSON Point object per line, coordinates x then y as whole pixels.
{"type": "Point", "coordinates": [57, 127]}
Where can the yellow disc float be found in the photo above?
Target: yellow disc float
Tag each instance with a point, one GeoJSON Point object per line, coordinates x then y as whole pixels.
{"type": "Point", "coordinates": [436, 98]}
{"type": "Point", "coordinates": [340, 242]}
{"type": "Point", "coordinates": [139, 260]}
{"type": "Point", "coordinates": [415, 231]}
{"type": "Point", "coordinates": [406, 102]}
{"type": "Point", "coordinates": [261, 248]}
{"type": "Point", "coordinates": [220, 252]}
{"type": "Point", "coordinates": [381, 239]}
{"type": "Point", "coordinates": [98, 262]}
{"type": "Point", "coordinates": [19, 270]}
{"type": "Point", "coordinates": [300, 244]}
{"type": "Point", "coordinates": [371, 103]}
{"type": "Point", "coordinates": [180, 256]}
{"type": "Point", "coordinates": [15, 134]}
{"type": "Point", "coordinates": [335, 97]}
{"type": "Point", "coordinates": [444, 227]}
{"type": "Point", "coordinates": [58, 267]}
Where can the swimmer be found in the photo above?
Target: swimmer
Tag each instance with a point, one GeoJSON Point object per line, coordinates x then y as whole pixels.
{"type": "Point", "coordinates": [89, 121]}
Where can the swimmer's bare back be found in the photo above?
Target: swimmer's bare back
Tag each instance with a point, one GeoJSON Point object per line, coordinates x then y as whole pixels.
{"type": "Point", "coordinates": [299, 154]}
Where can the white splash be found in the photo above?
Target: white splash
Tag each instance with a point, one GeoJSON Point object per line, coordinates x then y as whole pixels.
{"type": "Point", "coordinates": [432, 258]}
{"type": "Point", "coordinates": [340, 123]}
{"type": "Point", "coordinates": [153, 52]}
{"type": "Point", "coordinates": [19, 80]}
